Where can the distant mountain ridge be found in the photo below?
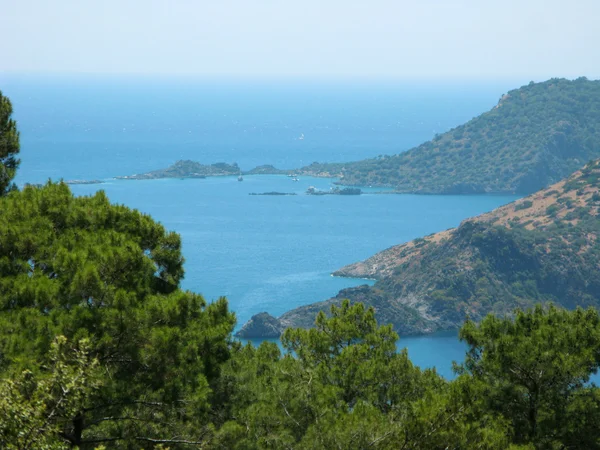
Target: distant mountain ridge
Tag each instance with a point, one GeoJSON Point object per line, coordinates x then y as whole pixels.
{"type": "Point", "coordinates": [535, 136]}
{"type": "Point", "coordinates": [542, 248]}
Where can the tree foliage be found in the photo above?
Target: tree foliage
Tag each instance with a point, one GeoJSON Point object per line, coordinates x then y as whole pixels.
{"type": "Point", "coordinates": [37, 408]}
{"type": "Point", "coordinates": [85, 269]}
{"type": "Point", "coordinates": [9, 146]}
{"type": "Point", "coordinates": [343, 384]}
{"type": "Point", "coordinates": [100, 348]}
{"type": "Point", "coordinates": [535, 371]}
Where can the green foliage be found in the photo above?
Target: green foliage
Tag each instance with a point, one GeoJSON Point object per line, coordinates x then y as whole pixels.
{"type": "Point", "coordinates": [552, 210]}
{"type": "Point", "coordinates": [36, 409]}
{"type": "Point", "coordinates": [534, 371]}
{"type": "Point", "coordinates": [9, 146]}
{"type": "Point", "coordinates": [100, 346]}
{"type": "Point", "coordinates": [86, 269]}
{"type": "Point", "coordinates": [523, 205]}
{"type": "Point", "coordinates": [343, 384]}
{"type": "Point", "coordinates": [535, 136]}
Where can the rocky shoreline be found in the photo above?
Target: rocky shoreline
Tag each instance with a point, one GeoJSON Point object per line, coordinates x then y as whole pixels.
{"type": "Point", "coordinates": [538, 249]}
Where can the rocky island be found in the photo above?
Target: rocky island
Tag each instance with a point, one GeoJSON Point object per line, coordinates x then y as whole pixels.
{"type": "Point", "coordinates": [267, 169]}
{"type": "Point", "coordinates": [334, 191]}
{"type": "Point", "coordinates": [74, 182]}
{"type": "Point", "coordinates": [542, 248]}
{"type": "Point", "coordinates": [272, 193]}
{"type": "Point", "coordinates": [187, 169]}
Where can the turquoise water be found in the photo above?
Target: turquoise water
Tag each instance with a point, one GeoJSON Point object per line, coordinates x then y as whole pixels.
{"type": "Point", "coordinates": [274, 253]}
{"type": "Point", "coordinates": [264, 253]}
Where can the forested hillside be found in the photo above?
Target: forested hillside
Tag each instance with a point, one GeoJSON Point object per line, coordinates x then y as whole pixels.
{"type": "Point", "coordinates": [9, 145]}
{"type": "Point", "coordinates": [535, 136]}
{"type": "Point", "coordinates": [538, 249]}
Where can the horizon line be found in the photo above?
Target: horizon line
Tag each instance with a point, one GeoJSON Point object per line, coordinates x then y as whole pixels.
{"type": "Point", "coordinates": [289, 77]}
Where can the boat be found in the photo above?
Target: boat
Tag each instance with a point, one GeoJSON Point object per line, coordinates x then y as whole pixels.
{"type": "Point", "coordinates": [295, 179]}
{"type": "Point", "coordinates": [301, 138]}
{"type": "Point", "coordinates": [240, 178]}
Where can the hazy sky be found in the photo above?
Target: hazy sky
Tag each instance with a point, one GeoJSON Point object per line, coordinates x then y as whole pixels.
{"type": "Point", "coordinates": [533, 39]}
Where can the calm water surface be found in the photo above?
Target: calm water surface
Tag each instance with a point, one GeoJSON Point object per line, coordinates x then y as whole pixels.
{"type": "Point", "coordinates": [264, 253]}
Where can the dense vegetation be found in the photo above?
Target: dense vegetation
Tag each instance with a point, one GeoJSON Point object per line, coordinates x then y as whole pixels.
{"type": "Point", "coordinates": [100, 348]}
{"type": "Point", "coordinates": [108, 277]}
{"type": "Point", "coordinates": [9, 146]}
{"type": "Point", "coordinates": [524, 384]}
{"type": "Point", "coordinates": [534, 137]}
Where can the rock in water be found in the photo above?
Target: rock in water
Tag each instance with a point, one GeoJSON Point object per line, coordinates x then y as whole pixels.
{"type": "Point", "coordinates": [261, 325]}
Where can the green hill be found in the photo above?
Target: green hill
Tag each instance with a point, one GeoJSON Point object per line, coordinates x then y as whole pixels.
{"type": "Point", "coordinates": [543, 248]}
{"type": "Point", "coordinates": [535, 136]}
{"type": "Point", "coordinates": [188, 169]}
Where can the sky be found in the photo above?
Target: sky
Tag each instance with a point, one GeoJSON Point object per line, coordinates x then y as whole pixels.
{"type": "Point", "coordinates": [394, 39]}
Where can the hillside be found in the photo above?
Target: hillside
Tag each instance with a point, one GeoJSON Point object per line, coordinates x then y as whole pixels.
{"type": "Point", "coordinates": [542, 248]}
{"type": "Point", "coordinates": [535, 136]}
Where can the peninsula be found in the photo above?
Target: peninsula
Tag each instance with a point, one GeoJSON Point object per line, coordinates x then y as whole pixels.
{"type": "Point", "coordinates": [542, 248]}
{"type": "Point", "coordinates": [535, 136]}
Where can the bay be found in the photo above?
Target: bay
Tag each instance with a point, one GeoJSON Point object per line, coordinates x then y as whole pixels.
{"type": "Point", "coordinates": [274, 253]}
{"type": "Point", "coordinates": [265, 253]}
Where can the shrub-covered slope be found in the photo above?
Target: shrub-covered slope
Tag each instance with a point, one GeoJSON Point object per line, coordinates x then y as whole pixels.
{"type": "Point", "coordinates": [541, 248]}
{"type": "Point", "coordinates": [535, 136]}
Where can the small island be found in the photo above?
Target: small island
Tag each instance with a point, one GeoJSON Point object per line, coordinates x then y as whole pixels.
{"type": "Point", "coordinates": [267, 169]}
{"type": "Point", "coordinates": [84, 182]}
{"type": "Point", "coordinates": [539, 249]}
{"type": "Point", "coordinates": [188, 169]}
{"type": "Point", "coordinates": [272, 193]}
{"type": "Point", "coordinates": [333, 191]}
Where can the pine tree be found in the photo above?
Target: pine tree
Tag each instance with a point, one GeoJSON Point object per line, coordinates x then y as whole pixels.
{"type": "Point", "coordinates": [9, 146]}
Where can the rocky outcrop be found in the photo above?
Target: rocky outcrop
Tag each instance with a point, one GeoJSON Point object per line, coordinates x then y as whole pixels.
{"type": "Point", "coordinates": [262, 325]}
{"type": "Point", "coordinates": [404, 317]}
{"type": "Point", "coordinates": [272, 193]}
{"type": "Point", "coordinates": [74, 182]}
{"type": "Point", "coordinates": [267, 169]}
{"type": "Point", "coordinates": [188, 169]}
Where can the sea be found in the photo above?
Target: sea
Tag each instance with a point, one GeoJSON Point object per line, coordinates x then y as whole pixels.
{"type": "Point", "coordinates": [264, 253]}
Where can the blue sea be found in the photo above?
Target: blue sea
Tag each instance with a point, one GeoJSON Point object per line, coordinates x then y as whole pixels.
{"type": "Point", "coordinates": [263, 253]}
